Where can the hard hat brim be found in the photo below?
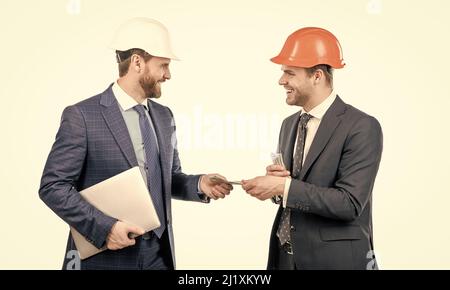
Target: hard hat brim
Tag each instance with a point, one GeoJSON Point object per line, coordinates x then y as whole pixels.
{"type": "Point", "coordinates": [169, 55]}
{"type": "Point", "coordinates": [306, 63]}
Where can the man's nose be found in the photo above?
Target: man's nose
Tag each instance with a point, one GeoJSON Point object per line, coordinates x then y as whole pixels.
{"type": "Point", "coordinates": [167, 75]}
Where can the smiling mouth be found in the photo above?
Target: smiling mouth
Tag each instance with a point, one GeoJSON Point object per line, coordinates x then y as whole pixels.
{"type": "Point", "coordinates": [288, 91]}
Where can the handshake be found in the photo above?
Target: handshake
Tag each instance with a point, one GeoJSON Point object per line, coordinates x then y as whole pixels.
{"type": "Point", "coordinates": [216, 186]}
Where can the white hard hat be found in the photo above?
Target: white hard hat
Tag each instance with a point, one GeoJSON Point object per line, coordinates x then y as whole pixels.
{"type": "Point", "coordinates": [146, 34]}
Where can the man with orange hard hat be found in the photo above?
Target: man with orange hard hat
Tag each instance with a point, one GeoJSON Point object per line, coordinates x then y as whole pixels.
{"type": "Point", "coordinates": [331, 153]}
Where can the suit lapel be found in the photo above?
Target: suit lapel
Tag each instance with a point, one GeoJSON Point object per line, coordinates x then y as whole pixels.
{"type": "Point", "coordinates": [159, 120]}
{"type": "Point", "coordinates": [328, 125]}
{"type": "Point", "coordinates": [116, 124]}
{"type": "Point", "coordinates": [289, 140]}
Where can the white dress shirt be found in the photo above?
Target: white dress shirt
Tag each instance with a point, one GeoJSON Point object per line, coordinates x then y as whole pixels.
{"type": "Point", "coordinates": [131, 117]}
{"type": "Point", "coordinates": [317, 114]}
{"type": "Point", "coordinates": [125, 101]}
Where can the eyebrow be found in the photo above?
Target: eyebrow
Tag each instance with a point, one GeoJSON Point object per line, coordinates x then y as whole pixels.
{"type": "Point", "coordinates": [288, 71]}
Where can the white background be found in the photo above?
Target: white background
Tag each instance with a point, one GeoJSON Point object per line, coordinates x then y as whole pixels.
{"type": "Point", "coordinates": [229, 107]}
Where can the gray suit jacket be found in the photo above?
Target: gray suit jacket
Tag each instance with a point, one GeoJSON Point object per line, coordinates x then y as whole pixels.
{"type": "Point", "coordinates": [331, 201]}
{"type": "Point", "coordinates": [93, 144]}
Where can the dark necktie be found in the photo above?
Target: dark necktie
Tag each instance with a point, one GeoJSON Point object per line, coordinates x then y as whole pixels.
{"type": "Point", "coordinates": [153, 167]}
{"type": "Point", "coordinates": [284, 228]}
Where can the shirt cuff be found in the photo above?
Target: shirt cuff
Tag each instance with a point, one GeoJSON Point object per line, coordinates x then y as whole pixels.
{"type": "Point", "coordinates": [199, 191]}
{"type": "Point", "coordinates": [203, 197]}
{"type": "Point", "coordinates": [287, 184]}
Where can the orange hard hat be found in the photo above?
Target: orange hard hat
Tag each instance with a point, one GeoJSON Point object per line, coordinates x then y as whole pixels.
{"type": "Point", "coordinates": [311, 46]}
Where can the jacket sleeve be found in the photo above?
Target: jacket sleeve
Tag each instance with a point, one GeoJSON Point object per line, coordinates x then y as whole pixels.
{"type": "Point", "coordinates": [184, 186]}
{"type": "Point", "coordinates": [355, 177]}
{"type": "Point", "coordinates": [62, 170]}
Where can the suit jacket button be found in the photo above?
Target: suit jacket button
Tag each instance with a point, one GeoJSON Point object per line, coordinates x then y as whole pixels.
{"type": "Point", "coordinates": [292, 229]}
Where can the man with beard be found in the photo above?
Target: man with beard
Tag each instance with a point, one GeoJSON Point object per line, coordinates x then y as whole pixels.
{"type": "Point", "coordinates": [331, 151]}
{"type": "Point", "coordinates": [116, 130]}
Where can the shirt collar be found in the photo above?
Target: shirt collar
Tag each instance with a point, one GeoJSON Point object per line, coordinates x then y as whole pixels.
{"type": "Point", "coordinates": [125, 101]}
{"type": "Point", "coordinates": [320, 110]}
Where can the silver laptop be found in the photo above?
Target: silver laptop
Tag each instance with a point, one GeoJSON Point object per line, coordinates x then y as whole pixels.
{"type": "Point", "coordinates": [125, 197]}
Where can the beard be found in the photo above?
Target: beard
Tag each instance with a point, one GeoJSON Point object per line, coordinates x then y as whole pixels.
{"type": "Point", "coordinates": [151, 87]}
{"type": "Point", "coordinates": [301, 99]}
{"type": "Point", "coordinates": [297, 98]}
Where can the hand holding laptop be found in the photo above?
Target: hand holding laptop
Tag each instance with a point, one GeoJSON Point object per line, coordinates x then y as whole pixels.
{"type": "Point", "coordinates": [125, 197]}
{"type": "Point", "coordinates": [123, 235]}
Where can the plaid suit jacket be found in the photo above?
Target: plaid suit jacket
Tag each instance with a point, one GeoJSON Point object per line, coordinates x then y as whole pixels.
{"type": "Point", "coordinates": [93, 144]}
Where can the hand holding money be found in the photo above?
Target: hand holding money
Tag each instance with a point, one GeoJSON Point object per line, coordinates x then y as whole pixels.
{"type": "Point", "coordinates": [215, 186]}
{"type": "Point", "coordinates": [271, 185]}
{"type": "Point", "coordinates": [277, 159]}
{"type": "Point", "coordinates": [277, 168]}
{"type": "Point", "coordinates": [218, 179]}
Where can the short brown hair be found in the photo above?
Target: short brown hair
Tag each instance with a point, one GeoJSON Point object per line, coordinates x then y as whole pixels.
{"type": "Point", "coordinates": [327, 70]}
{"type": "Point", "coordinates": [124, 59]}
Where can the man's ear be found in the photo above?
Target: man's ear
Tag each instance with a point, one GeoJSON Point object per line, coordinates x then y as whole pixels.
{"type": "Point", "coordinates": [136, 63]}
{"type": "Point", "coordinates": [317, 76]}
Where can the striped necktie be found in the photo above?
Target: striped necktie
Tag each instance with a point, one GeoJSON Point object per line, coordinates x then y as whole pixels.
{"type": "Point", "coordinates": [284, 228]}
{"type": "Point", "coordinates": [152, 167]}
